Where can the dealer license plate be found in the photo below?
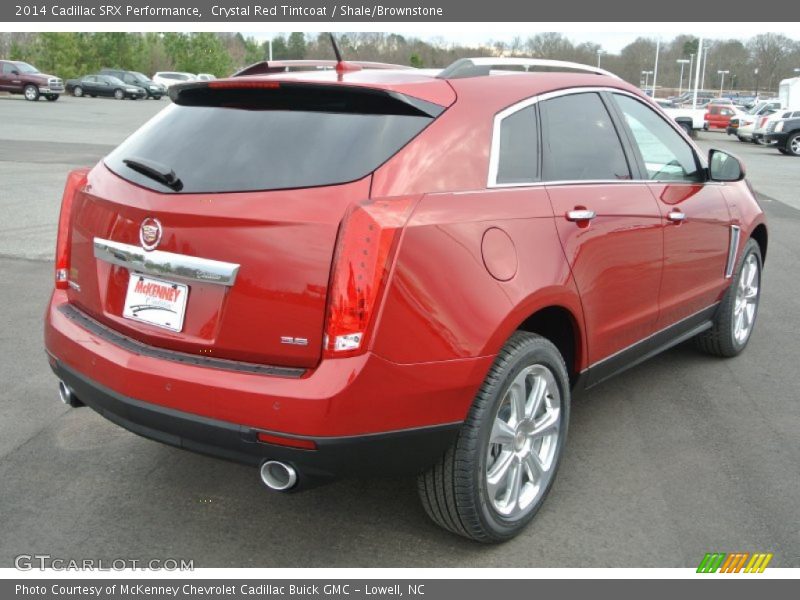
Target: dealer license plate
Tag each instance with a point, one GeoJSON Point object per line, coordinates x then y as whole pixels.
{"type": "Point", "coordinates": [155, 301]}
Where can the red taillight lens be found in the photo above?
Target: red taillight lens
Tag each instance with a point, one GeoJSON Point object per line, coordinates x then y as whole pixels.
{"type": "Point", "coordinates": [279, 440]}
{"type": "Point", "coordinates": [75, 182]}
{"type": "Point", "coordinates": [363, 258]}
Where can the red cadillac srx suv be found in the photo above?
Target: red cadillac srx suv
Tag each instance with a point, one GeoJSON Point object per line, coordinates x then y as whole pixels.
{"type": "Point", "coordinates": [347, 270]}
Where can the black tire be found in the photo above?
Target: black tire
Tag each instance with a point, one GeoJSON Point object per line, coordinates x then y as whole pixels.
{"type": "Point", "coordinates": [77, 91]}
{"type": "Point", "coordinates": [52, 97]}
{"type": "Point", "coordinates": [687, 128]}
{"type": "Point", "coordinates": [454, 491]}
{"type": "Point", "coordinates": [119, 94]}
{"type": "Point", "coordinates": [31, 92]}
{"type": "Point", "coordinates": [720, 339]}
{"type": "Point", "coordinates": [784, 151]}
{"type": "Point", "coordinates": [793, 144]}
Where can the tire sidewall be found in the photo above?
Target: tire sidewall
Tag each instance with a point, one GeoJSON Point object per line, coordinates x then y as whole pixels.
{"type": "Point", "coordinates": [796, 136]}
{"type": "Point", "coordinates": [500, 527]}
{"type": "Point", "coordinates": [77, 91]}
{"type": "Point", "coordinates": [34, 96]}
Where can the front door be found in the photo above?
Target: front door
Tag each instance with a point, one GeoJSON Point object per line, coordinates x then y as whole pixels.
{"type": "Point", "coordinates": [695, 216]}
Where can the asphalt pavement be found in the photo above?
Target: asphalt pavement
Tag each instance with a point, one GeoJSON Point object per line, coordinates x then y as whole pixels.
{"type": "Point", "coordinates": [683, 455]}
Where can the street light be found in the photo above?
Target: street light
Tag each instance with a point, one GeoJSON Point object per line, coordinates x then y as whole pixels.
{"type": "Point", "coordinates": [682, 62]}
{"type": "Point", "coordinates": [599, 53]}
{"type": "Point", "coordinates": [721, 80]}
{"type": "Point", "coordinates": [646, 77]}
{"type": "Point", "coordinates": [755, 72]}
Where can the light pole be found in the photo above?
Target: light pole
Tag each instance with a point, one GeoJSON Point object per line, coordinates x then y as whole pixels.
{"type": "Point", "coordinates": [721, 80]}
{"type": "Point", "coordinates": [682, 62]}
{"type": "Point", "coordinates": [599, 53]}
{"type": "Point", "coordinates": [646, 78]}
{"type": "Point", "coordinates": [755, 72]}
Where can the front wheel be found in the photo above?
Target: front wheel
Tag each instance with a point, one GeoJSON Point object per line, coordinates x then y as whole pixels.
{"type": "Point", "coordinates": [793, 145]}
{"type": "Point", "coordinates": [119, 94]}
{"type": "Point", "coordinates": [736, 316]}
{"type": "Point", "coordinates": [31, 93]}
{"type": "Point", "coordinates": [496, 475]}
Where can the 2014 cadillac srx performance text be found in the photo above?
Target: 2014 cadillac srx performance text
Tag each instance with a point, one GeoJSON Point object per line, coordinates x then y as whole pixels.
{"type": "Point", "coordinates": [346, 270]}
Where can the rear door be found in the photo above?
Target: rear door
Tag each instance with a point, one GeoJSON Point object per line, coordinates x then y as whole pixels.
{"type": "Point", "coordinates": [261, 179]}
{"type": "Point", "coordinates": [609, 224]}
{"type": "Point", "coordinates": [695, 215]}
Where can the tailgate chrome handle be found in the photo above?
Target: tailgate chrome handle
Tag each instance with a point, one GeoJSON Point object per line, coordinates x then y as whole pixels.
{"type": "Point", "coordinates": [676, 216]}
{"type": "Point", "coordinates": [166, 264]}
{"type": "Point", "coordinates": [580, 215]}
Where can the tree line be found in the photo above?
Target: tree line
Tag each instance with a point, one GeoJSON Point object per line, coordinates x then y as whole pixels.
{"type": "Point", "coordinates": [760, 62]}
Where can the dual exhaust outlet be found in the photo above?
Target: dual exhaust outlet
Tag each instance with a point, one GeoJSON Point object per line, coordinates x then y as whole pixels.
{"type": "Point", "coordinates": [276, 475]}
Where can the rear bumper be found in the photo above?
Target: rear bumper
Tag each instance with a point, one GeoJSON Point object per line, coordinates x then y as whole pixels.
{"type": "Point", "coordinates": [340, 399]}
{"type": "Point", "coordinates": [398, 452]}
{"type": "Point", "coordinates": [778, 138]}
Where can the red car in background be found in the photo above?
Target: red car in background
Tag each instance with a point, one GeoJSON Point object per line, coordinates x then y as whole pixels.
{"type": "Point", "coordinates": [718, 116]}
{"type": "Point", "coordinates": [348, 270]}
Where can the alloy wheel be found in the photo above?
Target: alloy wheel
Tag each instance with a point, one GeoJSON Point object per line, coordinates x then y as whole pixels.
{"type": "Point", "coordinates": [523, 443]}
{"type": "Point", "coordinates": [746, 303]}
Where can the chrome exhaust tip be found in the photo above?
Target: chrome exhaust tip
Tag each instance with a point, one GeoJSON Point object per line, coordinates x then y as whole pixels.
{"type": "Point", "coordinates": [64, 393]}
{"type": "Point", "coordinates": [278, 476]}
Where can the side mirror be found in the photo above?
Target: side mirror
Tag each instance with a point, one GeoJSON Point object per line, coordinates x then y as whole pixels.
{"type": "Point", "coordinates": [14, 72]}
{"type": "Point", "coordinates": [724, 167]}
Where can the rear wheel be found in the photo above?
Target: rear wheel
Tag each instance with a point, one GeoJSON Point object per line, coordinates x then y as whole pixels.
{"type": "Point", "coordinates": [736, 316]}
{"type": "Point", "coordinates": [793, 145]}
{"type": "Point", "coordinates": [31, 93]}
{"type": "Point", "coordinates": [496, 475]}
{"type": "Point", "coordinates": [77, 91]}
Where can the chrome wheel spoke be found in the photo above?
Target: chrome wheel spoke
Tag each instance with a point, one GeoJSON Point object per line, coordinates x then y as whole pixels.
{"type": "Point", "coordinates": [547, 425]}
{"type": "Point", "coordinates": [515, 485]}
{"type": "Point", "coordinates": [502, 433]}
{"type": "Point", "coordinates": [535, 467]}
{"type": "Point", "coordinates": [496, 478]}
{"type": "Point", "coordinates": [516, 395]}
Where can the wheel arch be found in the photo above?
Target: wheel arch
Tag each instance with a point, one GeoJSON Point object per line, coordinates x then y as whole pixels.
{"type": "Point", "coordinates": [760, 236]}
{"type": "Point", "coordinates": [560, 326]}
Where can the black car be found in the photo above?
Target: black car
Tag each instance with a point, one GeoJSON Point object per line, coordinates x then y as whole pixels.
{"type": "Point", "coordinates": [154, 90]}
{"type": "Point", "coordinates": [786, 134]}
{"type": "Point", "coordinates": [104, 85]}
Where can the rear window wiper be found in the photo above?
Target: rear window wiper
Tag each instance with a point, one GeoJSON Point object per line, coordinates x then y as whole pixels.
{"type": "Point", "coordinates": [156, 171]}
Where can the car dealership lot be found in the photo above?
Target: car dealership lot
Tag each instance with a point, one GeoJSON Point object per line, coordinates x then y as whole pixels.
{"type": "Point", "coordinates": [680, 456]}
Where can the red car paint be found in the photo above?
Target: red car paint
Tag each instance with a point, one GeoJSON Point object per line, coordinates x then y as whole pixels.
{"type": "Point", "coordinates": [719, 116]}
{"type": "Point", "coordinates": [467, 268]}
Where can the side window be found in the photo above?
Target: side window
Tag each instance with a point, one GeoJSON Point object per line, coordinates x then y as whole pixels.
{"type": "Point", "coordinates": [666, 155]}
{"type": "Point", "coordinates": [580, 141]}
{"type": "Point", "coordinates": [7, 68]}
{"type": "Point", "coordinates": [518, 155]}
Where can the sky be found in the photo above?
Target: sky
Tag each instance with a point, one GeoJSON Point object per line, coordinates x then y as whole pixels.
{"type": "Point", "coordinates": [612, 37]}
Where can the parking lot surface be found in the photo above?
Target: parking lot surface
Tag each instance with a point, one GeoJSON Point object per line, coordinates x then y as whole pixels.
{"type": "Point", "coordinates": [680, 456]}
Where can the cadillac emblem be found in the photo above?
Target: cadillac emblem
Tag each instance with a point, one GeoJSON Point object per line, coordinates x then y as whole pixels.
{"type": "Point", "coordinates": [150, 233]}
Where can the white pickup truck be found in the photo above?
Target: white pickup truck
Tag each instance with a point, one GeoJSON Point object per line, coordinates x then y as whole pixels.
{"type": "Point", "coordinates": [690, 119]}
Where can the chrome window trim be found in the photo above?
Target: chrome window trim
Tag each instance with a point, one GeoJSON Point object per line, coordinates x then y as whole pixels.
{"type": "Point", "coordinates": [733, 248]}
{"type": "Point", "coordinates": [494, 153]}
{"type": "Point", "coordinates": [166, 264]}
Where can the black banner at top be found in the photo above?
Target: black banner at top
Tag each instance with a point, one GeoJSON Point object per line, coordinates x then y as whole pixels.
{"type": "Point", "coordinates": [266, 11]}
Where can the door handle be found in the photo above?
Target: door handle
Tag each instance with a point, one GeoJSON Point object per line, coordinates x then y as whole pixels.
{"type": "Point", "coordinates": [676, 216]}
{"type": "Point", "coordinates": [580, 214]}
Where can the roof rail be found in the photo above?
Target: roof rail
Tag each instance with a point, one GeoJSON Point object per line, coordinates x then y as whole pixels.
{"type": "Point", "coordinates": [281, 66]}
{"type": "Point", "coordinates": [480, 66]}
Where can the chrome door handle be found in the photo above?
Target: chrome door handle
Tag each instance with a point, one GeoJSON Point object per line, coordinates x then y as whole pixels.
{"type": "Point", "coordinates": [580, 215]}
{"type": "Point", "coordinates": [676, 216]}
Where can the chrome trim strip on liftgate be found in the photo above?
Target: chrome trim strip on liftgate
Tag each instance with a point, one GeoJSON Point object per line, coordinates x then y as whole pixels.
{"type": "Point", "coordinates": [732, 248]}
{"type": "Point", "coordinates": [166, 264]}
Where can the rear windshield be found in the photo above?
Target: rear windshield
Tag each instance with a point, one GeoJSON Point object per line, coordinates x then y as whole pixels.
{"type": "Point", "coordinates": [228, 142]}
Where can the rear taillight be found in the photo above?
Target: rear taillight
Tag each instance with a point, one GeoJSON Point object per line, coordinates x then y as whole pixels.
{"type": "Point", "coordinates": [75, 182]}
{"type": "Point", "coordinates": [364, 250]}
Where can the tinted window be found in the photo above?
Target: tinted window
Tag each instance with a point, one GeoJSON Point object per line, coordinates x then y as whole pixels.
{"type": "Point", "coordinates": [518, 159]}
{"type": "Point", "coordinates": [580, 141]}
{"type": "Point", "coordinates": [7, 68]}
{"type": "Point", "coordinates": [247, 140]}
{"type": "Point", "coordinates": [666, 155]}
